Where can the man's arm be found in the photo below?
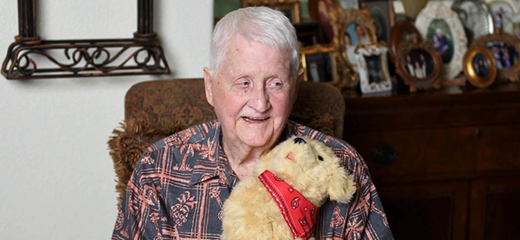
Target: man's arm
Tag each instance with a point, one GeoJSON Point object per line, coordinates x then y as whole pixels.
{"type": "Point", "coordinates": [141, 216]}
{"type": "Point", "coordinates": [366, 218]}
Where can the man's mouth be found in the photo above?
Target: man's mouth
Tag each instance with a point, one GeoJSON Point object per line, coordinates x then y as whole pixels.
{"type": "Point", "coordinates": [253, 119]}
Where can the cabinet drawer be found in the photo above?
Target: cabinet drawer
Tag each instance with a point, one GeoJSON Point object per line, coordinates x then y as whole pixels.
{"type": "Point", "coordinates": [442, 153]}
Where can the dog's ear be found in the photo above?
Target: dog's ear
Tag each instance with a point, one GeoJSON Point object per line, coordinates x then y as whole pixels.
{"type": "Point", "coordinates": [341, 186]}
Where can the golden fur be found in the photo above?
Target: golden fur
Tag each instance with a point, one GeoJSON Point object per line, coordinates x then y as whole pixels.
{"type": "Point", "coordinates": [251, 213]}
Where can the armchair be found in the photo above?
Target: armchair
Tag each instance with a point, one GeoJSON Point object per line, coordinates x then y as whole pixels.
{"type": "Point", "coordinates": [159, 108]}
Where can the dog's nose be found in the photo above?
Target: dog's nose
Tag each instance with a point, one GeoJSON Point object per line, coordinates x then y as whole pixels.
{"type": "Point", "coordinates": [299, 140]}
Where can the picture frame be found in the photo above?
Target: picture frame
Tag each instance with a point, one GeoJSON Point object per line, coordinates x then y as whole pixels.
{"type": "Point", "coordinates": [309, 33]}
{"type": "Point", "coordinates": [352, 27]}
{"type": "Point", "coordinates": [402, 31]}
{"type": "Point", "coordinates": [498, 8]}
{"type": "Point", "coordinates": [496, 43]}
{"type": "Point", "coordinates": [382, 11]}
{"type": "Point", "coordinates": [419, 64]}
{"type": "Point", "coordinates": [475, 17]}
{"type": "Point", "coordinates": [479, 66]}
{"type": "Point", "coordinates": [373, 68]}
{"type": "Point", "coordinates": [319, 62]}
{"type": "Point", "coordinates": [323, 11]}
{"type": "Point", "coordinates": [346, 4]}
{"type": "Point", "coordinates": [442, 27]}
{"type": "Point", "coordinates": [290, 8]}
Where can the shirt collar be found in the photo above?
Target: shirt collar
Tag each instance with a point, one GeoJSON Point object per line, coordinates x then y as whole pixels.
{"type": "Point", "coordinates": [218, 160]}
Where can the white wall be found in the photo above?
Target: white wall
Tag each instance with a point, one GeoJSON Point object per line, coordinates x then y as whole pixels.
{"type": "Point", "coordinates": [57, 178]}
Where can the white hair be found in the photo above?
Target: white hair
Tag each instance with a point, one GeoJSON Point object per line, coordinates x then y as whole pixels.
{"type": "Point", "coordinates": [260, 24]}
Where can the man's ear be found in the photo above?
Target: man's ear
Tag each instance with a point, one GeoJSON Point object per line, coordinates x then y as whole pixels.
{"type": "Point", "coordinates": [208, 85]}
{"type": "Point", "coordinates": [299, 78]}
{"type": "Point", "coordinates": [300, 75]}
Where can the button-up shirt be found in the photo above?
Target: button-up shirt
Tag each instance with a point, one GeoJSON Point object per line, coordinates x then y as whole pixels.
{"type": "Point", "coordinates": [180, 183]}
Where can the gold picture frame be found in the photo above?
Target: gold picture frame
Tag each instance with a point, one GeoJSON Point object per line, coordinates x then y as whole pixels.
{"type": "Point", "coordinates": [419, 64]}
{"type": "Point", "coordinates": [509, 41]}
{"type": "Point", "coordinates": [400, 32]}
{"type": "Point", "coordinates": [364, 25]}
{"type": "Point", "coordinates": [290, 8]}
{"type": "Point", "coordinates": [319, 62]}
{"type": "Point", "coordinates": [479, 66]}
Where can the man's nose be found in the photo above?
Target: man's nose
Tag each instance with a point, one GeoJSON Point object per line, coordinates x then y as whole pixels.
{"type": "Point", "coordinates": [260, 99]}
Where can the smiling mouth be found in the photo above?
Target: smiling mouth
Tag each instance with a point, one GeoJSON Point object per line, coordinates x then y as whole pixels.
{"type": "Point", "coordinates": [250, 119]}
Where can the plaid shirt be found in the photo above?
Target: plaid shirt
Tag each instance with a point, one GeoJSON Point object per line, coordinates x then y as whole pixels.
{"type": "Point", "coordinates": [180, 183]}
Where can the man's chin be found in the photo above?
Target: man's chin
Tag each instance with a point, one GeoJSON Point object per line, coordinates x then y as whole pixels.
{"type": "Point", "coordinates": [257, 140]}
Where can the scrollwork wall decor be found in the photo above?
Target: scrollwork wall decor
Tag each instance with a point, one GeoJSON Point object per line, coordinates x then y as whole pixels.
{"type": "Point", "coordinates": [30, 57]}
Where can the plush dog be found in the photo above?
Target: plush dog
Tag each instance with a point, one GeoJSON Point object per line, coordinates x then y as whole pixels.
{"type": "Point", "coordinates": [283, 202]}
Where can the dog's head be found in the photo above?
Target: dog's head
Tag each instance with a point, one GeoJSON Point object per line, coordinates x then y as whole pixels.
{"type": "Point", "coordinates": [312, 168]}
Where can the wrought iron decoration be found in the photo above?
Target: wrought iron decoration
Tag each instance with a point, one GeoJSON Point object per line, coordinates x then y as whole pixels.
{"type": "Point", "coordinates": [28, 57]}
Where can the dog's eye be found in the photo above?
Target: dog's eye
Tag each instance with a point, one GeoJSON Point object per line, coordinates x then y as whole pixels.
{"type": "Point", "coordinates": [320, 158]}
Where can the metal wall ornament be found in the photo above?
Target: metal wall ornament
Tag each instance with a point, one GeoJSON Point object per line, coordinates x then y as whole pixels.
{"type": "Point", "coordinates": [361, 20]}
{"type": "Point", "coordinates": [475, 16]}
{"type": "Point", "coordinates": [479, 66]}
{"type": "Point", "coordinates": [30, 57]}
{"type": "Point", "coordinates": [505, 49]}
{"type": "Point", "coordinates": [319, 62]}
{"type": "Point", "coordinates": [373, 68]}
{"type": "Point", "coordinates": [442, 27]}
{"type": "Point", "coordinates": [402, 31]}
{"type": "Point", "coordinates": [290, 8]}
{"type": "Point", "coordinates": [419, 64]}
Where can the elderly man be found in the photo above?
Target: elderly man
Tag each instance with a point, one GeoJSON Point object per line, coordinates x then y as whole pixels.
{"type": "Point", "coordinates": [181, 182]}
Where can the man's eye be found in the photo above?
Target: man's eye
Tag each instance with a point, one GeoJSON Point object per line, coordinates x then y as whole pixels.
{"type": "Point", "coordinates": [243, 83]}
{"type": "Point", "coordinates": [275, 84]}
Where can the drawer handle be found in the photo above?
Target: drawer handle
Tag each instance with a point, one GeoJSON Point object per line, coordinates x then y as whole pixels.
{"type": "Point", "coordinates": [384, 154]}
{"type": "Point", "coordinates": [478, 133]}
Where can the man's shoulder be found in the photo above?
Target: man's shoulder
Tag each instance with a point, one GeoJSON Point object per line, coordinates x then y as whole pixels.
{"type": "Point", "coordinates": [188, 141]}
{"type": "Point", "coordinates": [192, 135]}
{"type": "Point", "coordinates": [339, 146]}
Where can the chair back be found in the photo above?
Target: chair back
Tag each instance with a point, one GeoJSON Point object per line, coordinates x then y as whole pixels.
{"type": "Point", "coordinates": [159, 108]}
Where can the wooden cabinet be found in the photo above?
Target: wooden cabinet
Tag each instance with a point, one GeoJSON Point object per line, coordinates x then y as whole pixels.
{"type": "Point", "coordinates": [446, 163]}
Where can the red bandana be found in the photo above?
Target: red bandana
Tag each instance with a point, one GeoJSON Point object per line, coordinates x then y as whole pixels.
{"type": "Point", "coordinates": [299, 213]}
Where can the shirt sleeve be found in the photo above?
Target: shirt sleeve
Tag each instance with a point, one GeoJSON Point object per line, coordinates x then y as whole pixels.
{"type": "Point", "coordinates": [365, 216]}
{"type": "Point", "coordinates": [141, 215]}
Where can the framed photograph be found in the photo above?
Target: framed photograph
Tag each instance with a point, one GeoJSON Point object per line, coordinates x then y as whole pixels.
{"type": "Point", "coordinates": [419, 64]}
{"type": "Point", "coordinates": [505, 49]}
{"type": "Point", "coordinates": [309, 33]}
{"type": "Point", "coordinates": [373, 69]}
{"type": "Point", "coordinates": [512, 24]}
{"type": "Point", "coordinates": [382, 12]}
{"type": "Point", "coordinates": [442, 27]}
{"type": "Point", "coordinates": [322, 11]}
{"type": "Point", "coordinates": [353, 28]}
{"type": "Point", "coordinates": [498, 8]}
{"type": "Point", "coordinates": [401, 32]}
{"type": "Point", "coordinates": [349, 4]}
{"type": "Point", "coordinates": [475, 16]}
{"type": "Point", "coordinates": [290, 8]}
{"type": "Point", "coordinates": [319, 62]}
{"type": "Point", "coordinates": [479, 66]}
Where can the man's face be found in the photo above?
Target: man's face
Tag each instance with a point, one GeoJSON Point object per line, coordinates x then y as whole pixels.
{"type": "Point", "coordinates": [252, 94]}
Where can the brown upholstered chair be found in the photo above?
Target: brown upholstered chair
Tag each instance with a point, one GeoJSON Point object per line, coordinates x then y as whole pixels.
{"type": "Point", "coordinates": [156, 109]}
